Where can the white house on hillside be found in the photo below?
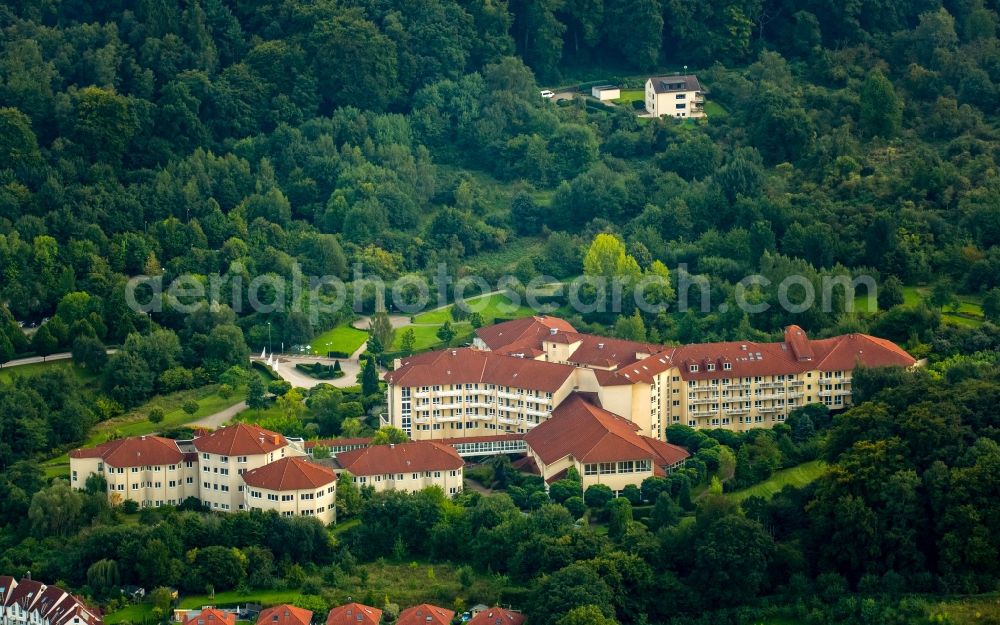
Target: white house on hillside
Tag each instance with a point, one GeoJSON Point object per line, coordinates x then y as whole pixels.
{"type": "Point", "coordinates": [676, 96]}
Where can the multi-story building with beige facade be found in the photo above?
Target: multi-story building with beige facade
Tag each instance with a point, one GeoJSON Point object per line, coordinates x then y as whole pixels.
{"type": "Point", "coordinates": [218, 468]}
{"type": "Point", "coordinates": [603, 447]}
{"type": "Point", "coordinates": [293, 486]}
{"type": "Point", "coordinates": [408, 467]}
{"type": "Point", "coordinates": [675, 96]}
{"type": "Point", "coordinates": [735, 385]}
{"type": "Point", "coordinates": [227, 453]}
{"type": "Point", "coordinates": [469, 392]}
{"type": "Point", "coordinates": [149, 470]}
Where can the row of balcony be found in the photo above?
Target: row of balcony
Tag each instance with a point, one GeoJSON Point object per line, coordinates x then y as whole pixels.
{"type": "Point", "coordinates": [489, 393]}
{"type": "Point", "coordinates": [834, 393]}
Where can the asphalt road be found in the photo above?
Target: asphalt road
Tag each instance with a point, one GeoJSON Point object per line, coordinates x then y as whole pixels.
{"type": "Point", "coordinates": [36, 359]}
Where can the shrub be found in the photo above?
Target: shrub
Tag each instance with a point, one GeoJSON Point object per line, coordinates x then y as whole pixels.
{"type": "Point", "coordinates": [190, 406]}
{"type": "Point", "coordinates": [575, 506]}
{"type": "Point", "coordinates": [320, 371]}
{"type": "Point", "coordinates": [631, 492]}
{"type": "Point", "coordinates": [598, 496]}
{"type": "Point", "coordinates": [156, 415]}
{"type": "Point", "coordinates": [129, 506]}
{"type": "Point", "coordinates": [278, 387]}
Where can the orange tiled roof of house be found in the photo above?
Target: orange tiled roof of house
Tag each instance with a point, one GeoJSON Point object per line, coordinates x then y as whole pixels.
{"type": "Point", "coordinates": [284, 614]}
{"type": "Point", "coordinates": [242, 439]}
{"type": "Point", "coordinates": [134, 452]}
{"type": "Point", "coordinates": [210, 616]}
{"type": "Point", "coordinates": [401, 458]}
{"type": "Point", "coordinates": [464, 365]}
{"type": "Point", "coordinates": [590, 434]}
{"type": "Point", "coordinates": [289, 474]}
{"type": "Point", "coordinates": [425, 614]}
{"type": "Point", "coordinates": [497, 616]}
{"type": "Point", "coordinates": [354, 614]}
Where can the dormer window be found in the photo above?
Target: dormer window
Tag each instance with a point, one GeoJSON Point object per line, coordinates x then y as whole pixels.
{"type": "Point", "coordinates": [710, 366]}
{"type": "Point", "coordinates": [728, 366]}
{"type": "Point", "coordinates": [694, 369]}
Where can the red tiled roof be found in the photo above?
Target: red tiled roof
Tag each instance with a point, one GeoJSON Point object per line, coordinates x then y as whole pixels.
{"type": "Point", "coordinates": [401, 458]}
{"type": "Point", "coordinates": [354, 614]}
{"type": "Point", "coordinates": [53, 603]}
{"type": "Point", "coordinates": [527, 337]}
{"type": "Point", "coordinates": [289, 474]}
{"type": "Point", "coordinates": [579, 429]}
{"type": "Point", "coordinates": [796, 354]}
{"type": "Point", "coordinates": [242, 439]}
{"type": "Point", "coordinates": [425, 614]}
{"type": "Point", "coordinates": [799, 343]}
{"type": "Point", "coordinates": [134, 452]}
{"type": "Point", "coordinates": [618, 362]}
{"type": "Point", "coordinates": [844, 352]}
{"type": "Point", "coordinates": [284, 614]}
{"type": "Point", "coordinates": [461, 366]}
{"type": "Point", "coordinates": [45, 603]}
{"type": "Point", "coordinates": [838, 353]}
{"type": "Point", "coordinates": [211, 616]}
{"type": "Point", "coordinates": [6, 587]}
{"type": "Point", "coordinates": [604, 351]}
{"type": "Point", "coordinates": [523, 333]}
{"type": "Point", "coordinates": [498, 616]}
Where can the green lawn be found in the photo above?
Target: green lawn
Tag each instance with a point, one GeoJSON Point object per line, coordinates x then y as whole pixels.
{"type": "Point", "coordinates": [130, 614]}
{"type": "Point", "coordinates": [425, 337]}
{"type": "Point", "coordinates": [489, 306]}
{"type": "Point", "coordinates": [630, 95]}
{"type": "Point", "coordinates": [972, 609]}
{"type": "Point", "coordinates": [406, 583]}
{"type": "Point", "coordinates": [137, 423]}
{"type": "Point", "coordinates": [969, 312]}
{"type": "Point", "coordinates": [714, 109]}
{"type": "Point", "coordinates": [503, 261]}
{"type": "Point", "coordinates": [233, 597]}
{"type": "Point", "coordinates": [8, 373]}
{"type": "Point", "coordinates": [340, 528]}
{"type": "Point", "coordinates": [256, 415]}
{"type": "Point", "coordinates": [796, 476]}
{"type": "Point", "coordinates": [340, 339]}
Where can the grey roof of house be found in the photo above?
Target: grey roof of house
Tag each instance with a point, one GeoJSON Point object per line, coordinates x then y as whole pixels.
{"type": "Point", "coordinates": [668, 84]}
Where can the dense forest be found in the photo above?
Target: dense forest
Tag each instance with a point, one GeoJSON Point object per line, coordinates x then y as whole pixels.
{"type": "Point", "coordinates": [379, 138]}
{"type": "Point", "coordinates": [242, 138]}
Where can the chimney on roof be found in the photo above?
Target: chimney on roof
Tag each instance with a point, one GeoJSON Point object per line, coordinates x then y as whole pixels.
{"type": "Point", "coordinates": [276, 439]}
{"type": "Point", "coordinates": [600, 346]}
{"type": "Point", "coordinates": [454, 352]}
{"type": "Point", "coordinates": [392, 445]}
